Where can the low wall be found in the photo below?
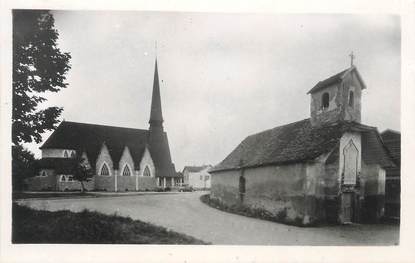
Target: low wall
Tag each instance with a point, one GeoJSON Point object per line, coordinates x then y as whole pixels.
{"type": "Point", "coordinates": [279, 190]}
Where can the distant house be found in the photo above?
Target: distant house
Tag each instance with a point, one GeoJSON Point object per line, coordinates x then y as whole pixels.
{"type": "Point", "coordinates": [123, 159]}
{"type": "Point", "coordinates": [197, 176]}
{"type": "Point", "coordinates": [328, 168]}
{"type": "Point", "coordinates": [392, 140]}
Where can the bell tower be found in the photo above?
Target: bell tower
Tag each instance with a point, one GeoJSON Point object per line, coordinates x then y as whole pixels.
{"type": "Point", "coordinates": [337, 98]}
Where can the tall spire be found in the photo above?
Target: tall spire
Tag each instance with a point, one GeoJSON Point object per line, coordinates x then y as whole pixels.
{"type": "Point", "coordinates": [156, 116]}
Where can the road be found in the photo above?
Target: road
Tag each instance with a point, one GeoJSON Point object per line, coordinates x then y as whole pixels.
{"type": "Point", "coordinates": [185, 213]}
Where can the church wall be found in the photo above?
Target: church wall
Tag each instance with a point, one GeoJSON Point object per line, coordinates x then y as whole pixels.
{"type": "Point", "coordinates": [54, 153]}
{"type": "Point", "coordinates": [333, 112]}
{"type": "Point", "coordinates": [146, 160]}
{"type": "Point", "coordinates": [104, 182]}
{"type": "Point", "coordinates": [351, 83]}
{"type": "Point", "coordinates": [126, 183]}
{"type": "Point", "coordinates": [126, 159]}
{"type": "Point", "coordinates": [42, 183]}
{"type": "Point", "coordinates": [73, 186]}
{"type": "Point", "coordinates": [277, 189]}
{"type": "Point", "coordinates": [374, 191]}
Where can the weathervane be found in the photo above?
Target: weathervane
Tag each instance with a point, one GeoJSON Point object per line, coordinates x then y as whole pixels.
{"type": "Point", "coordinates": [352, 56]}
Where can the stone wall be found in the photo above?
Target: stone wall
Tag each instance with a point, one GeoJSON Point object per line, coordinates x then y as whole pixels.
{"type": "Point", "coordinates": [74, 185]}
{"type": "Point", "coordinates": [103, 182]}
{"type": "Point", "coordinates": [280, 190]}
{"type": "Point", "coordinates": [42, 183]}
{"type": "Point", "coordinates": [374, 192]}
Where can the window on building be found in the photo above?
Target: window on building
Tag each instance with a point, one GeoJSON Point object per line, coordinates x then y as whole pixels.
{"type": "Point", "coordinates": [351, 99]}
{"type": "Point", "coordinates": [104, 170]}
{"type": "Point", "coordinates": [43, 174]}
{"type": "Point", "coordinates": [325, 100]}
{"type": "Point", "coordinates": [206, 177]}
{"type": "Point", "coordinates": [126, 171]}
{"type": "Point", "coordinates": [62, 178]}
{"type": "Point", "coordinates": [70, 178]}
{"type": "Point", "coordinates": [147, 171]}
{"type": "Point", "coordinates": [201, 177]}
{"type": "Point", "coordinates": [65, 154]}
{"type": "Point", "coordinates": [73, 154]}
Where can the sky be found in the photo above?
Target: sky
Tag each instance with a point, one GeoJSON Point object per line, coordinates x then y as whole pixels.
{"type": "Point", "coordinates": [223, 76]}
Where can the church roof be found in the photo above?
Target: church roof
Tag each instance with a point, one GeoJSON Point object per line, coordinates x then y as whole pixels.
{"type": "Point", "coordinates": [336, 78]}
{"type": "Point", "coordinates": [299, 142]}
{"type": "Point", "coordinates": [60, 165]}
{"type": "Point", "coordinates": [89, 138]}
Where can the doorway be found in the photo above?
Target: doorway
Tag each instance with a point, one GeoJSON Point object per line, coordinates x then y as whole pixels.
{"type": "Point", "coordinates": [347, 207]}
{"type": "Point", "coordinates": [242, 188]}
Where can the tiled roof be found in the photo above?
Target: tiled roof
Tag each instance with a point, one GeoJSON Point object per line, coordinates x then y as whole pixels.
{"type": "Point", "coordinates": [392, 141]}
{"type": "Point", "coordinates": [60, 165]}
{"type": "Point", "coordinates": [298, 142]}
{"type": "Point", "coordinates": [195, 169]}
{"type": "Point", "coordinates": [335, 79]}
{"type": "Point", "coordinates": [89, 138]}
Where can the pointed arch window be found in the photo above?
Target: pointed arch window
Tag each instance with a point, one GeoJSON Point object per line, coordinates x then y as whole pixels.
{"type": "Point", "coordinates": [104, 170]}
{"type": "Point", "coordinates": [65, 154]}
{"type": "Point", "coordinates": [73, 154]}
{"type": "Point", "coordinates": [43, 174]}
{"type": "Point", "coordinates": [325, 100]}
{"type": "Point", "coordinates": [147, 171]}
{"type": "Point", "coordinates": [126, 171]}
{"type": "Point", "coordinates": [351, 99]}
{"type": "Point", "coordinates": [62, 178]}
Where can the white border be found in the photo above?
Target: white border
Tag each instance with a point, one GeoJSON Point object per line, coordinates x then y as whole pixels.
{"type": "Point", "coordinates": [150, 253]}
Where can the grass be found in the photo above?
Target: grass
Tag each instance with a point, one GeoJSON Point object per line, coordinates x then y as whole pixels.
{"type": "Point", "coordinates": [86, 227]}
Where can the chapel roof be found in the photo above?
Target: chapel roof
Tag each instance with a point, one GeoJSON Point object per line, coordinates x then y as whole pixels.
{"type": "Point", "coordinates": [300, 142]}
{"type": "Point", "coordinates": [336, 78]}
{"type": "Point", "coordinates": [89, 138]}
{"type": "Point", "coordinates": [392, 141]}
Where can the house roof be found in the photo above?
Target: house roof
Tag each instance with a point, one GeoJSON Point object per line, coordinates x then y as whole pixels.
{"type": "Point", "coordinates": [392, 141]}
{"type": "Point", "coordinates": [195, 169]}
{"type": "Point", "coordinates": [297, 142]}
{"type": "Point", "coordinates": [336, 78]}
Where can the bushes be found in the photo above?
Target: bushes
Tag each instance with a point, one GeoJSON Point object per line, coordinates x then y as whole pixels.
{"type": "Point", "coordinates": [33, 226]}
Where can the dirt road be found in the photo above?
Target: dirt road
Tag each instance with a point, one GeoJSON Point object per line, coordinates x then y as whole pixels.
{"type": "Point", "coordinates": [186, 214]}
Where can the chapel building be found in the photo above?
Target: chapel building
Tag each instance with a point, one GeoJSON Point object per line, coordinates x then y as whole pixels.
{"type": "Point", "coordinates": [326, 168]}
{"type": "Point", "coordinates": [122, 159]}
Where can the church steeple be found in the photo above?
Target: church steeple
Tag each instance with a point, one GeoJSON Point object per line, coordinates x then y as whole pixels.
{"type": "Point", "coordinates": [156, 116]}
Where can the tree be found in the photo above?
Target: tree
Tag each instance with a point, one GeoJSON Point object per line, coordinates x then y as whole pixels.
{"type": "Point", "coordinates": [39, 66]}
{"type": "Point", "coordinates": [82, 172]}
{"type": "Point", "coordinates": [23, 166]}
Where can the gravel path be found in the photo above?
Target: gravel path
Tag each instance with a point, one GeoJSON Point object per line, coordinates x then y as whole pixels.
{"type": "Point", "coordinates": [185, 213]}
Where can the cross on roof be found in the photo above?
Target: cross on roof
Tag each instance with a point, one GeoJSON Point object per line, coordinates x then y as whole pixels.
{"type": "Point", "coordinates": [352, 56]}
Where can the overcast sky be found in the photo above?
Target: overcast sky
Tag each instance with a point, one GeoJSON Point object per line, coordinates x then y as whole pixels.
{"type": "Point", "coordinates": [224, 76]}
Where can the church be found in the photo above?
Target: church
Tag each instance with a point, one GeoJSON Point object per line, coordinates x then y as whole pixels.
{"type": "Point", "coordinates": [328, 168]}
{"type": "Point", "coordinates": [122, 159]}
